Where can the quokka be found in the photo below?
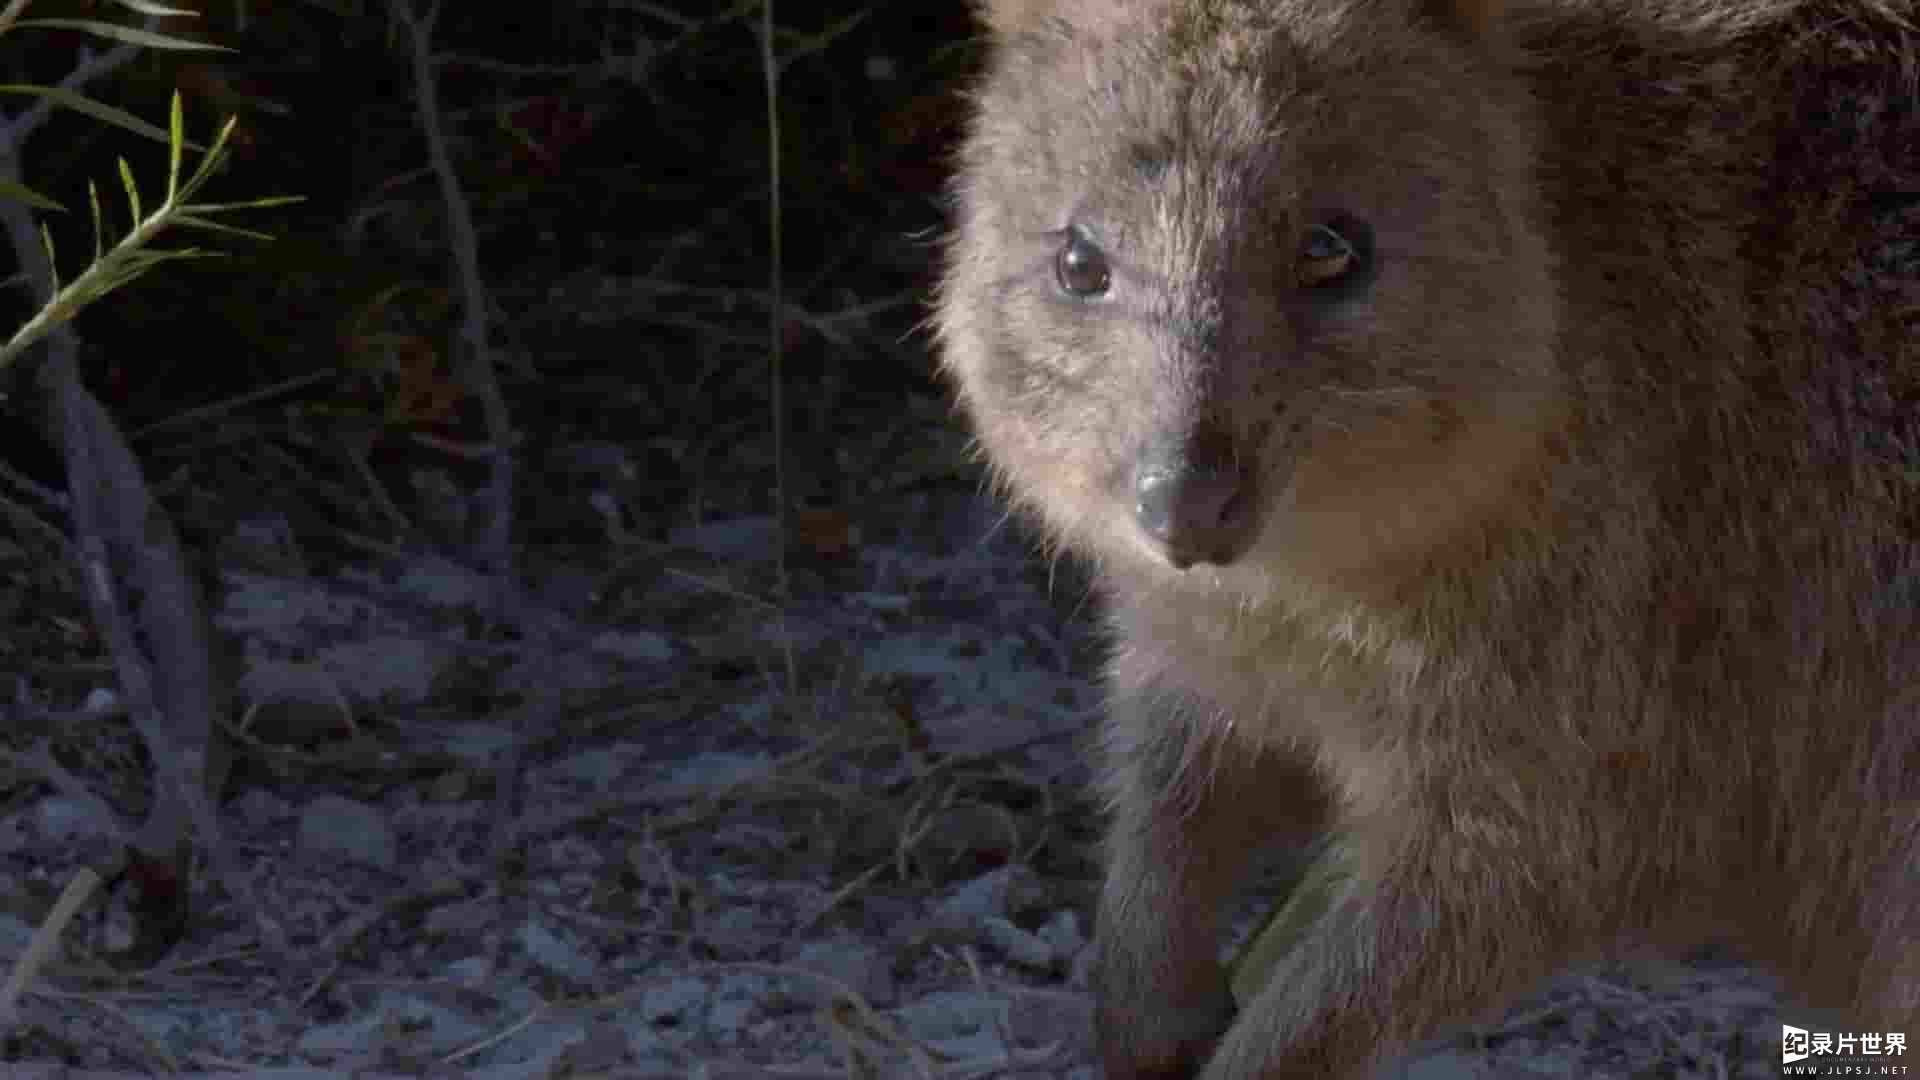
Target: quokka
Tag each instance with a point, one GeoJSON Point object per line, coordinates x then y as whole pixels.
{"type": "Point", "coordinates": [1496, 433]}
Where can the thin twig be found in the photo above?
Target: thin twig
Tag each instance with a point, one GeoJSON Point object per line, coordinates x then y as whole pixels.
{"type": "Point", "coordinates": [474, 360]}
{"type": "Point", "coordinates": [95, 66]}
{"type": "Point", "coordinates": [12, 14]}
{"type": "Point", "coordinates": [22, 234]}
{"type": "Point", "coordinates": [215, 409]}
{"type": "Point", "coordinates": [85, 880]}
{"type": "Point", "coordinates": [776, 323]}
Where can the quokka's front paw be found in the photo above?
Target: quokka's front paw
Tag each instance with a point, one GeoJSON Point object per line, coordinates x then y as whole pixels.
{"type": "Point", "coordinates": [1145, 1037]}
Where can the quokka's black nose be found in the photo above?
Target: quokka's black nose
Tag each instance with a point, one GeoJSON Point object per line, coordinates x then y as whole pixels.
{"type": "Point", "coordinates": [1194, 497]}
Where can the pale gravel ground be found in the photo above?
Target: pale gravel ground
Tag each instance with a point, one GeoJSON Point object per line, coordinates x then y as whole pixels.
{"type": "Point", "coordinates": [700, 840]}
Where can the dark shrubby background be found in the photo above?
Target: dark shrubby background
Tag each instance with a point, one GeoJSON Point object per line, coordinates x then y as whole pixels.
{"type": "Point", "coordinates": [617, 164]}
{"type": "Point", "coordinates": [671, 750]}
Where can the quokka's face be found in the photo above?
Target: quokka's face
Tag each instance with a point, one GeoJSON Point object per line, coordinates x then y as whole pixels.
{"type": "Point", "coordinates": [1242, 290]}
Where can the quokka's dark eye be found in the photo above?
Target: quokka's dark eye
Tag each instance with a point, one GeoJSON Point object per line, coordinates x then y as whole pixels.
{"type": "Point", "coordinates": [1335, 252]}
{"type": "Point", "coordinates": [1081, 267]}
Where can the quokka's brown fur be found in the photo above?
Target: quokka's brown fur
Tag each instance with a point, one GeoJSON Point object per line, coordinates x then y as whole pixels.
{"type": "Point", "coordinates": [1497, 433]}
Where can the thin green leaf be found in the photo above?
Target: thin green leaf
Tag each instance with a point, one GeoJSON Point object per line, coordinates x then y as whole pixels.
{"type": "Point", "coordinates": [218, 227]}
{"type": "Point", "coordinates": [176, 135]}
{"type": "Point", "coordinates": [104, 281]}
{"type": "Point", "coordinates": [99, 225]}
{"type": "Point", "coordinates": [132, 35]}
{"type": "Point", "coordinates": [252, 204]}
{"type": "Point", "coordinates": [131, 264]}
{"type": "Point", "coordinates": [81, 103]}
{"type": "Point", "coordinates": [146, 7]}
{"type": "Point", "coordinates": [77, 296]}
{"type": "Point", "coordinates": [53, 264]}
{"type": "Point", "coordinates": [133, 193]}
{"type": "Point", "coordinates": [10, 189]}
{"type": "Point", "coordinates": [212, 158]}
{"type": "Point", "coordinates": [220, 140]}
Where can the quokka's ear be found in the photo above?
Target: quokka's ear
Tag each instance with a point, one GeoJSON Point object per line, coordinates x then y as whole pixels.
{"type": "Point", "coordinates": [1469, 16]}
{"type": "Point", "coordinates": [1089, 19]}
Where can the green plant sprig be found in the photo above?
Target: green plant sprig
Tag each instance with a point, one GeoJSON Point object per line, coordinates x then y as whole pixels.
{"type": "Point", "coordinates": [130, 257]}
